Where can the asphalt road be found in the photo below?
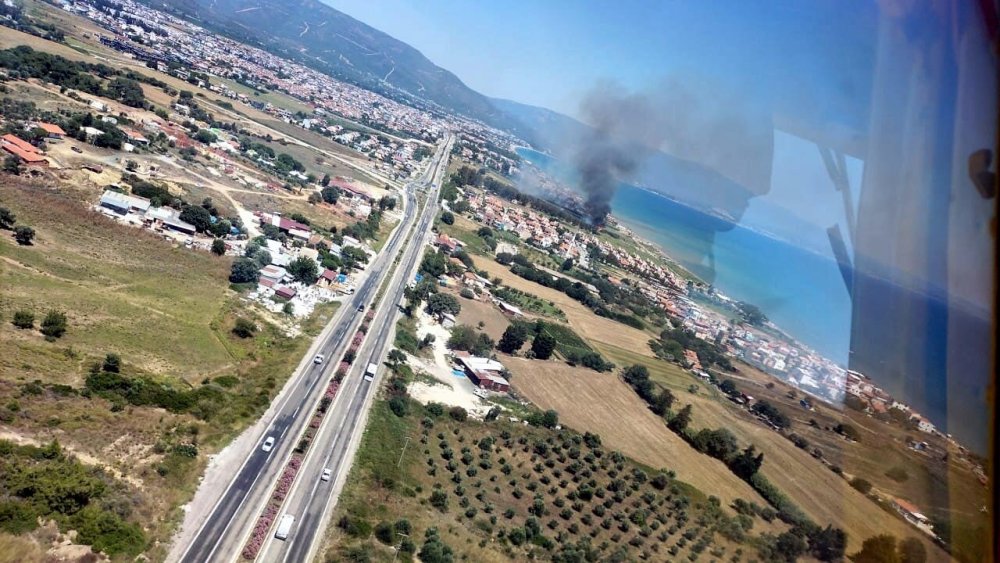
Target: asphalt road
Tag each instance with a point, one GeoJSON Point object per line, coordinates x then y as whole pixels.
{"type": "Point", "coordinates": [311, 500]}
{"type": "Point", "coordinates": [225, 530]}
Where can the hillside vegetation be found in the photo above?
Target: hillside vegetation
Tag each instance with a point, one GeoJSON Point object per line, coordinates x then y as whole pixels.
{"type": "Point", "coordinates": [148, 377]}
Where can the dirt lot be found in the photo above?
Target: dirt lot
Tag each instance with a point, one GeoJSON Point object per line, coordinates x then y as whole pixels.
{"type": "Point", "coordinates": [603, 404]}
{"type": "Point", "coordinates": [582, 319]}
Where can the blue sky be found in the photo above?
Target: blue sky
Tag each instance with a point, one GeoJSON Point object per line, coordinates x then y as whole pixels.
{"type": "Point", "coordinates": [549, 53]}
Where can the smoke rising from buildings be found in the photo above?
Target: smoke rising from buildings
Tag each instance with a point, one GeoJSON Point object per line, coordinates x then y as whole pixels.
{"type": "Point", "coordinates": [692, 120]}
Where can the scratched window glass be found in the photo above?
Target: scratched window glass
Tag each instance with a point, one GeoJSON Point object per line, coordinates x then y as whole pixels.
{"type": "Point", "coordinates": [342, 280]}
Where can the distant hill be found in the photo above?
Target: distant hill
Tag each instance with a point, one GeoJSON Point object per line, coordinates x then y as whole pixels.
{"type": "Point", "coordinates": [333, 42]}
{"type": "Point", "coordinates": [552, 129]}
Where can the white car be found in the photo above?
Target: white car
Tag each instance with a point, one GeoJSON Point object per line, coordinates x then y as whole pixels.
{"type": "Point", "coordinates": [325, 476]}
{"type": "Point", "coordinates": [319, 359]}
{"type": "Point", "coordinates": [268, 444]}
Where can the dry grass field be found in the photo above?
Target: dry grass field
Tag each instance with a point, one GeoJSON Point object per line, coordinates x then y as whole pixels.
{"type": "Point", "coordinates": [603, 404]}
{"type": "Point", "coordinates": [588, 325]}
{"type": "Point", "coordinates": [475, 311]}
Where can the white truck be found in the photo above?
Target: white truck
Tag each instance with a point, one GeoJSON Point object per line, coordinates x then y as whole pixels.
{"type": "Point", "coordinates": [284, 526]}
{"type": "Point", "coordinates": [370, 371]}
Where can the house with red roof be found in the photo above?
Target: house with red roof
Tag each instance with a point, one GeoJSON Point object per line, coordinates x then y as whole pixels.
{"type": "Point", "coordinates": [25, 152]}
{"type": "Point", "coordinates": [52, 130]}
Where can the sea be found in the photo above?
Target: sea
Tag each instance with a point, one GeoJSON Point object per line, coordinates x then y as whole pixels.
{"type": "Point", "coordinates": [803, 292]}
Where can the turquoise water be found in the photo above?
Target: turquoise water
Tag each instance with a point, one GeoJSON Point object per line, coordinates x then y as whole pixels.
{"type": "Point", "coordinates": [801, 291]}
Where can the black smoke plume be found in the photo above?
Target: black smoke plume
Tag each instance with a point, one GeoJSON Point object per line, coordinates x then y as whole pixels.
{"type": "Point", "coordinates": [694, 120]}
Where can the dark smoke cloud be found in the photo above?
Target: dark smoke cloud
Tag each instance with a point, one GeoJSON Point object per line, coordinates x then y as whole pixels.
{"type": "Point", "coordinates": [692, 120]}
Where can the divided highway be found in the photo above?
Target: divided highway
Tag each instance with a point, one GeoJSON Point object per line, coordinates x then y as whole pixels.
{"type": "Point", "coordinates": [311, 500]}
{"type": "Point", "coordinates": [224, 531]}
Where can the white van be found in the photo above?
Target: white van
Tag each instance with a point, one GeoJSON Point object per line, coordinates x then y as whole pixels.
{"type": "Point", "coordinates": [284, 526]}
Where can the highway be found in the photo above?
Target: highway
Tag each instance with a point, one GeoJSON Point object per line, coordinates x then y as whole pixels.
{"type": "Point", "coordinates": [224, 531]}
{"type": "Point", "coordinates": [311, 500]}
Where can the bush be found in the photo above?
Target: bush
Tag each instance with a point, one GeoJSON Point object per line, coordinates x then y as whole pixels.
{"type": "Point", "coordinates": [448, 218]}
{"type": "Point", "coordinates": [112, 363]}
{"type": "Point", "coordinates": [24, 319]}
{"type": "Point", "coordinates": [54, 325]}
{"type": "Point", "coordinates": [244, 328]}
{"type": "Point", "coordinates": [24, 235]}
{"type": "Point", "coordinates": [458, 413]}
{"type": "Point", "coordinates": [897, 474]}
{"type": "Point", "coordinates": [399, 406]}
{"type": "Point", "coordinates": [862, 485]}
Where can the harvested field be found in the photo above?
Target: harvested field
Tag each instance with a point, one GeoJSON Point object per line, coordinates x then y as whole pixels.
{"type": "Point", "coordinates": [475, 311]}
{"type": "Point", "coordinates": [603, 404]}
{"type": "Point", "coordinates": [590, 326]}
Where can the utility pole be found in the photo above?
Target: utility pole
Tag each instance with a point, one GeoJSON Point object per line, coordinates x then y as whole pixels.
{"type": "Point", "coordinates": [395, 551]}
{"type": "Point", "coordinates": [406, 443]}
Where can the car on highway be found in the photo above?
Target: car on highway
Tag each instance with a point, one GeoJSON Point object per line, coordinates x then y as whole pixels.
{"type": "Point", "coordinates": [361, 307]}
{"type": "Point", "coordinates": [319, 359]}
{"type": "Point", "coordinates": [326, 475]}
{"type": "Point", "coordinates": [268, 444]}
{"type": "Point", "coordinates": [284, 527]}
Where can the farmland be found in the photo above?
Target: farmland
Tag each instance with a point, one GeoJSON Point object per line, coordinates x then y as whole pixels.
{"type": "Point", "coordinates": [581, 319]}
{"type": "Point", "coordinates": [601, 403]}
{"type": "Point", "coordinates": [498, 491]}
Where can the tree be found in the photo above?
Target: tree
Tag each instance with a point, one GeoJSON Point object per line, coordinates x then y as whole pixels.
{"type": "Point", "coordinates": [54, 325]}
{"type": "Point", "coordinates": [434, 550]}
{"type": "Point", "coordinates": [543, 345]}
{"type": "Point", "coordinates": [244, 270]}
{"type": "Point", "coordinates": [24, 235]}
{"type": "Point", "coordinates": [218, 247]}
{"type": "Point", "coordinates": [304, 270]}
{"type": "Point", "coordinates": [205, 136]}
{"type": "Point", "coordinates": [244, 328]}
{"type": "Point", "coordinates": [680, 421]}
{"type": "Point", "coordinates": [912, 550]}
{"type": "Point", "coordinates": [746, 463]}
{"type": "Point", "coordinates": [448, 218]}
{"type": "Point", "coordinates": [728, 387]}
{"type": "Point", "coordinates": [662, 403]}
{"type": "Point", "coordinates": [848, 431]}
{"type": "Point", "coordinates": [567, 265]}
{"type": "Point", "coordinates": [325, 181]}
{"type": "Point", "coordinates": [329, 194]}
{"type": "Point", "coordinates": [829, 544]}
{"type": "Point", "coordinates": [458, 414]}
{"type": "Point", "coordinates": [862, 485]}
{"type": "Point", "coordinates": [198, 216]}
{"type": "Point", "coordinates": [12, 165]}
{"type": "Point", "coordinates": [751, 314]}
{"type": "Point", "coordinates": [720, 443]}
{"type": "Point", "coordinates": [878, 549]}
{"type": "Point", "coordinates": [441, 303]}
{"type": "Point", "coordinates": [387, 202]}
{"type": "Point", "coordinates": [789, 546]}
{"type": "Point", "coordinates": [396, 357]}
{"type": "Point", "coordinates": [513, 338]}
{"type": "Point", "coordinates": [7, 218]}
{"type": "Point", "coordinates": [112, 363]}
{"type": "Point", "coordinates": [24, 319]}
{"type": "Point", "coordinates": [433, 264]}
